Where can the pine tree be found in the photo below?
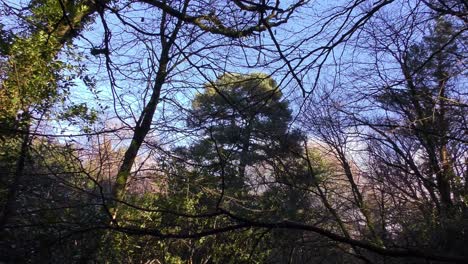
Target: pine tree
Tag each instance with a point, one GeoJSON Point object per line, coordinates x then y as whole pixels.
{"type": "Point", "coordinates": [244, 120]}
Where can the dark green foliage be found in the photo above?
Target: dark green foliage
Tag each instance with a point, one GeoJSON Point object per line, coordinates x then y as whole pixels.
{"type": "Point", "coordinates": [53, 205]}
{"type": "Point", "coordinates": [243, 121]}
{"type": "Point", "coordinates": [429, 111]}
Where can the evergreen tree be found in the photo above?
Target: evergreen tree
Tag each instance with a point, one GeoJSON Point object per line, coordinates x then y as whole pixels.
{"type": "Point", "coordinates": [243, 121]}
{"type": "Point", "coordinates": [428, 111]}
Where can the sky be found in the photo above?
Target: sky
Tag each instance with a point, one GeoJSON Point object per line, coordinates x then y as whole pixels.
{"type": "Point", "coordinates": [134, 57]}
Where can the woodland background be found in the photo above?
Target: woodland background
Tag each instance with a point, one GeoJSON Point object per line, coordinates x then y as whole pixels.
{"type": "Point", "coordinates": [243, 131]}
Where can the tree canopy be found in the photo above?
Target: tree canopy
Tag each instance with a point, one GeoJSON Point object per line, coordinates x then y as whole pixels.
{"type": "Point", "coordinates": [200, 131]}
